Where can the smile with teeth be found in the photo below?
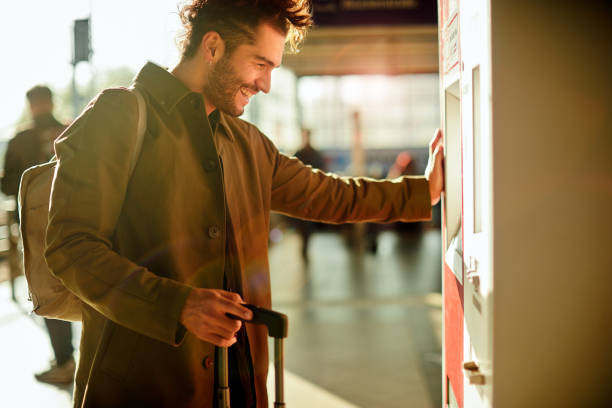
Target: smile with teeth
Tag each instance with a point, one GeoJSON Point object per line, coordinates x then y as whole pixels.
{"type": "Point", "coordinates": [247, 93]}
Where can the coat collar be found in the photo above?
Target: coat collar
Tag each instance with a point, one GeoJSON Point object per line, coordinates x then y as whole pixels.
{"type": "Point", "coordinates": [227, 130]}
{"type": "Point", "coordinates": [164, 87]}
{"type": "Point", "coordinates": [168, 91]}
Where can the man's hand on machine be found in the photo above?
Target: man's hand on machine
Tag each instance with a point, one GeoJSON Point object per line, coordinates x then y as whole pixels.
{"type": "Point", "coordinates": [434, 173]}
{"type": "Point", "coordinates": [207, 314]}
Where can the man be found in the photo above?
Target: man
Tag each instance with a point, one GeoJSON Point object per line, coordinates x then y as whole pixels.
{"type": "Point", "coordinates": [308, 154]}
{"type": "Point", "coordinates": [311, 157]}
{"type": "Point", "coordinates": [162, 257]}
{"type": "Point", "coordinates": [33, 145]}
{"type": "Point", "coordinates": [28, 148]}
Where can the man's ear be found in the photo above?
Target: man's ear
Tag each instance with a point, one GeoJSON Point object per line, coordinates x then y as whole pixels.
{"type": "Point", "coordinates": [212, 46]}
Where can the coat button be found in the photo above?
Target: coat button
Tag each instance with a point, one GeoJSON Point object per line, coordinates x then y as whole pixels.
{"type": "Point", "coordinates": [207, 362]}
{"type": "Point", "coordinates": [213, 232]}
{"type": "Point", "coordinates": [210, 165]}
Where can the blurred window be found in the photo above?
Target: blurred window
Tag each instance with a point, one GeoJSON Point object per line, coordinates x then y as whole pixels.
{"type": "Point", "coordinates": [396, 111]}
{"type": "Point", "coordinates": [276, 114]}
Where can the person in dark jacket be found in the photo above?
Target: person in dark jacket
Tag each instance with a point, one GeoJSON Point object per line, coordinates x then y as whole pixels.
{"type": "Point", "coordinates": [308, 154]}
{"type": "Point", "coordinates": [33, 145]}
{"type": "Point", "coordinates": [313, 158]}
{"type": "Point", "coordinates": [28, 148]}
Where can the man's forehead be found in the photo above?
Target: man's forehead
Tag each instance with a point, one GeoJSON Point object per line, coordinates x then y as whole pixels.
{"type": "Point", "coordinates": [269, 44]}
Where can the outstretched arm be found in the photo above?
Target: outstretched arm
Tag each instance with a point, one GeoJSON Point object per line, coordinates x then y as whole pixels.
{"type": "Point", "coordinates": [303, 192]}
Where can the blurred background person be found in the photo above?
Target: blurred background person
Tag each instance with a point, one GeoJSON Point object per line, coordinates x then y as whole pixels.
{"type": "Point", "coordinates": [33, 145]}
{"type": "Point", "coordinates": [312, 157]}
{"type": "Point", "coordinates": [308, 154]}
{"type": "Point", "coordinates": [29, 147]}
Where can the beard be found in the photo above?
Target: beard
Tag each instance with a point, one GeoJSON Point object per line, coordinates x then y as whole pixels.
{"type": "Point", "coordinates": [222, 85]}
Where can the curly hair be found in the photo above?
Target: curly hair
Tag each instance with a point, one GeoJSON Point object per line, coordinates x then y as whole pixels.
{"type": "Point", "coordinates": [236, 21]}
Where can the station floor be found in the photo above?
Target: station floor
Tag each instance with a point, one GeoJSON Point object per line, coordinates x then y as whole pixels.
{"type": "Point", "coordinates": [364, 327]}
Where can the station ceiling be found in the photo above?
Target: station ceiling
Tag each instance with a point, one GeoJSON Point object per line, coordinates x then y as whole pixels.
{"type": "Point", "coordinates": [383, 50]}
{"type": "Point", "coordinates": [353, 37]}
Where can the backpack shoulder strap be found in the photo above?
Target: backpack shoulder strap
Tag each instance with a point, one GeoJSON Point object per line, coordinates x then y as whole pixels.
{"type": "Point", "coordinates": [141, 129]}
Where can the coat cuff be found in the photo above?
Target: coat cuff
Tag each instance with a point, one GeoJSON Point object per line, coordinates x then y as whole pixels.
{"type": "Point", "coordinates": [176, 294]}
{"type": "Point", "coordinates": [418, 205]}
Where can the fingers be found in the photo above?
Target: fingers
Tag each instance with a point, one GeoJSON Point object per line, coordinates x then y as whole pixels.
{"type": "Point", "coordinates": [435, 174]}
{"type": "Point", "coordinates": [436, 161]}
{"type": "Point", "coordinates": [206, 315]}
{"type": "Point", "coordinates": [219, 329]}
{"type": "Point", "coordinates": [217, 340]}
{"type": "Point", "coordinates": [235, 297]}
{"type": "Point", "coordinates": [224, 311]}
{"type": "Point", "coordinates": [239, 311]}
{"type": "Point", "coordinates": [235, 305]}
{"type": "Point", "coordinates": [222, 342]}
{"type": "Point", "coordinates": [225, 330]}
{"type": "Point", "coordinates": [232, 303]}
{"type": "Point", "coordinates": [435, 141]}
{"type": "Point", "coordinates": [439, 153]}
{"type": "Point", "coordinates": [436, 158]}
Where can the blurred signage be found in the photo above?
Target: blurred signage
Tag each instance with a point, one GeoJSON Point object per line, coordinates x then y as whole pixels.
{"type": "Point", "coordinates": [82, 48]}
{"type": "Point", "coordinates": [449, 39]}
{"type": "Point", "coordinates": [451, 45]}
{"type": "Point", "coordinates": [374, 12]}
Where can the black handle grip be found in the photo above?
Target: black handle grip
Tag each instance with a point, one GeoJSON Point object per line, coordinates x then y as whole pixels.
{"type": "Point", "coordinates": [277, 323]}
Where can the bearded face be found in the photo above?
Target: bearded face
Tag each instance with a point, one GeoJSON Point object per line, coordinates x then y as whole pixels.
{"type": "Point", "coordinates": [238, 75]}
{"type": "Point", "coordinates": [226, 90]}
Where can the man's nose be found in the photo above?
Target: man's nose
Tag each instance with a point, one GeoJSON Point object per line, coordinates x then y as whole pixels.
{"type": "Point", "coordinates": [264, 82]}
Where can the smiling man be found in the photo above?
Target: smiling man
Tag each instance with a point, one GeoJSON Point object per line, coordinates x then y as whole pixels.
{"type": "Point", "coordinates": [234, 77]}
{"type": "Point", "coordinates": [162, 254]}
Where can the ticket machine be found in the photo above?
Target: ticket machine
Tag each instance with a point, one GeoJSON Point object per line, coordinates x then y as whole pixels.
{"type": "Point", "coordinates": [524, 91]}
{"type": "Point", "coordinates": [466, 223]}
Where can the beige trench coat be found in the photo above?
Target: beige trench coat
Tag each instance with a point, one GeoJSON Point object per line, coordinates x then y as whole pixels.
{"type": "Point", "coordinates": [132, 248]}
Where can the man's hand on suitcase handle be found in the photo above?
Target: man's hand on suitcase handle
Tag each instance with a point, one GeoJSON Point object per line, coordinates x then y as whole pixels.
{"type": "Point", "coordinates": [206, 314]}
{"type": "Point", "coordinates": [277, 323]}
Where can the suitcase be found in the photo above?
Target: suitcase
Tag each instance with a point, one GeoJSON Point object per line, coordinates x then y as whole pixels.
{"type": "Point", "coordinates": [277, 324]}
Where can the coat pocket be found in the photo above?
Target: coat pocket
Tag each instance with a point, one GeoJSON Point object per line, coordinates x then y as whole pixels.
{"type": "Point", "coordinates": [119, 353]}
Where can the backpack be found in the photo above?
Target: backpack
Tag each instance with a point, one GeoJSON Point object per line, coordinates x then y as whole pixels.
{"type": "Point", "coordinates": [48, 294]}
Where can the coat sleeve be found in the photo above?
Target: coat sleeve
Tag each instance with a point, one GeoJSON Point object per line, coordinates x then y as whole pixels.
{"type": "Point", "coordinates": [303, 192]}
{"type": "Point", "coordinates": [86, 199]}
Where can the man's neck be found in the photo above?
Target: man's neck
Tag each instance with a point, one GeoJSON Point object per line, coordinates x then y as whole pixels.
{"type": "Point", "coordinates": [193, 73]}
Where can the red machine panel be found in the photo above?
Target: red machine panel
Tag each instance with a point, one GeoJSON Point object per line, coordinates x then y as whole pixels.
{"type": "Point", "coordinates": [450, 58]}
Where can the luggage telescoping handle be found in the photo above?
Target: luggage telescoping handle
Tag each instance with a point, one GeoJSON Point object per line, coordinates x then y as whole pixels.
{"type": "Point", "coordinates": [277, 324]}
{"type": "Point", "coordinates": [223, 393]}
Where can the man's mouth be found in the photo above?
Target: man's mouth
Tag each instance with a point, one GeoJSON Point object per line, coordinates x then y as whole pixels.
{"type": "Point", "coordinates": [247, 92]}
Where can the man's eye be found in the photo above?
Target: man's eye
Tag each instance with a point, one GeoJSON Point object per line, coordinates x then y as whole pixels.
{"type": "Point", "coordinates": [261, 67]}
